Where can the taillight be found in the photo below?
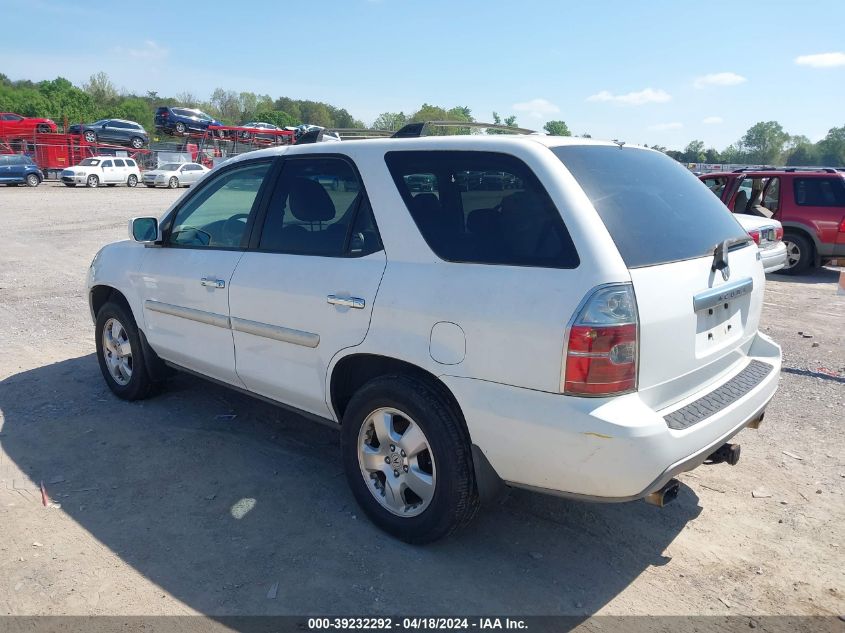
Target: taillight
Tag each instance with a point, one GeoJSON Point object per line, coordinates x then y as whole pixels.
{"type": "Point", "coordinates": [779, 232]}
{"type": "Point", "coordinates": [602, 349]}
{"type": "Point", "coordinates": [842, 226]}
{"type": "Point", "coordinates": [755, 235]}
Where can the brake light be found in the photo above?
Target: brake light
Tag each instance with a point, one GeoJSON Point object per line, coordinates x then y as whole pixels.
{"type": "Point", "coordinates": [842, 226]}
{"type": "Point", "coordinates": [779, 232]}
{"type": "Point", "coordinates": [755, 235]}
{"type": "Point", "coordinates": [602, 348]}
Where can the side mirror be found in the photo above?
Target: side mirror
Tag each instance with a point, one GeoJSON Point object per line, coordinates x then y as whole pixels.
{"type": "Point", "coordinates": [145, 230]}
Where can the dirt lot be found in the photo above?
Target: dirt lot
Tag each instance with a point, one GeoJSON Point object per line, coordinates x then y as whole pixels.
{"type": "Point", "coordinates": [147, 489]}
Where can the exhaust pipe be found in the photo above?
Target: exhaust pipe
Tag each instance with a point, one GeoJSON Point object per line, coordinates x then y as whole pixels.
{"type": "Point", "coordinates": [726, 453]}
{"type": "Point", "coordinates": [756, 422]}
{"type": "Point", "coordinates": [666, 494]}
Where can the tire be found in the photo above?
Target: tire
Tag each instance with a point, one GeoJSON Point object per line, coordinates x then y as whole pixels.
{"type": "Point", "coordinates": [180, 127]}
{"type": "Point", "coordinates": [42, 128]}
{"type": "Point", "coordinates": [137, 142]}
{"type": "Point", "coordinates": [799, 254]}
{"type": "Point", "coordinates": [90, 136]}
{"type": "Point", "coordinates": [132, 180]}
{"type": "Point", "coordinates": [32, 180]}
{"type": "Point", "coordinates": [116, 324]}
{"type": "Point", "coordinates": [444, 467]}
{"type": "Point", "coordinates": [173, 183]}
{"type": "Point", "coordinates": [93, 182]}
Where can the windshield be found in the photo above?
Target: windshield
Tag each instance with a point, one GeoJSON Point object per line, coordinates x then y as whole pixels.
{"type": "Point", "coordinates": [655, 209]}
{"type": "Point", "coordinates": [90, 162]}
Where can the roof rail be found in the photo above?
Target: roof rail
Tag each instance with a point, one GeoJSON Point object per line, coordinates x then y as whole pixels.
{"type": "Point", "coordinates": [415, 130]}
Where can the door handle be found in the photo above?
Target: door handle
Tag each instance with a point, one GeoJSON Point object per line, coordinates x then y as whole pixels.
{"type": "Point", "coordinates": [349, 302]}
{"type": "Point", "coordinates": [211, 282]}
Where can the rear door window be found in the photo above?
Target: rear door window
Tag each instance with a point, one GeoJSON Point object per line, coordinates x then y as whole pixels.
{"type": "Point", "coordinates": [819, 192]}
{"type": "Point", "coordinates": [119, 163]}
{"type": "Point", "coordinates": [482, 207]}
{"type": "Point", "coordinates": [655, 209]}
{"type": "Point", "coordinates": [716, 185]}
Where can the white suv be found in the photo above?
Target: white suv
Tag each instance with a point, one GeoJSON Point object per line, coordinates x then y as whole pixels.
{"type": "Point", "coordinates": [563, 315]}
{"type": "Point", "coordinates": [102, 170]}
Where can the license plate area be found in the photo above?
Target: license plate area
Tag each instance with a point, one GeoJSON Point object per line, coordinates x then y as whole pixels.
{"type": "Point", "coordinates": [718, 326]}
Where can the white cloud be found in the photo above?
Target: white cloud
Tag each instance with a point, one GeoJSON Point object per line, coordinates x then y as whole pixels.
{"type": "Point", "coordinates": [821, 60]}
{"type": "Point", "coordinates": [150, 51]}
{"type": "Point", "coordinates": [649, 95]}
{"type": "Point", "coordinates": [719, 79]}
{"type": "Point", "coordinates": [660, 127]}
{"type": "Point", "coordinates": [712, 120]}
{"type": "Point", "coordinates": [537, 108]}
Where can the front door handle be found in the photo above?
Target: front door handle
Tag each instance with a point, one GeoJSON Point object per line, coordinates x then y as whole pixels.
{"type": "Point", "coordinates": [349, 302]}
{"type": "Point", "coordinates": [211, 282]}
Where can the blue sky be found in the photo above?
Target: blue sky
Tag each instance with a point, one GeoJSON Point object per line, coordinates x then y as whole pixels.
{"type": "Point", "coordinates": [652, 72]}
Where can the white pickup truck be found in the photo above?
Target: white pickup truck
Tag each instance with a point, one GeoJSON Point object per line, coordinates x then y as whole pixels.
{"type": "Point", "coordinates": [584, 324]}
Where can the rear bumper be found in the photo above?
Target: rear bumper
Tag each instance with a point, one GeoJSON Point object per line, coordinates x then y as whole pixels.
{"type": "Point", "coordinates": [774, 258]}
{"type": "Point", "coordinates": [602, 449]}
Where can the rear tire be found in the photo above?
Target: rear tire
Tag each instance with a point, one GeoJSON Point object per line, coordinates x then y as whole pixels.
{"type": "Point", "coordinates": [180, 127]}
{"type": "Point", "coordinates": [121, 354]}
{"type": "Point", "coordinates": [137, 142]}
{"type": "Point", "coordinates": [799, 254]}
{"type": "Point", "coordinates": [32, 180]}
{"type": "Point", "coordinates": [446, 462]}
{"type": "Point", "coordinates": [42, 128]}
{"type": "Point", "coordinates": [132, 180]}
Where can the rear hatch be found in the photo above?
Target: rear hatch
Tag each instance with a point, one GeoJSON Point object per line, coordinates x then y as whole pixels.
{"type": "Point", "coordinates": [697, 316]}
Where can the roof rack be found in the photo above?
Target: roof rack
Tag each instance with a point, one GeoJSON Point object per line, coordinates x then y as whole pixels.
{"type": "Point", "coordinates": [415, 130]}
{"type": "Point", "coordinates": [828, 170]}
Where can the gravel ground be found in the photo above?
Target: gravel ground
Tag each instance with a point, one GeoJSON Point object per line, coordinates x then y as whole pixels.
{"type": "Point", "coordinates": [146, 490]}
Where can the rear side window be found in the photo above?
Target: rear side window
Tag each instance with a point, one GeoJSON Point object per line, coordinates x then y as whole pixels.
{"type": "Point", "coordinates": [482, 207]}
{"type": "Point", "coordinates": [130, 162]}
{"type": "Point", "coordinates": [655, 210]}
{"type": "Point", "coordinates": [820, 192]}
{"type": "Point", "coordinates": [119, 163]}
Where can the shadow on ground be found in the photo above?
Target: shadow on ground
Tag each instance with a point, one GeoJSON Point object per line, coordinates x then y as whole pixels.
{"type": "Point", "coordinates": [824, 275]}
{"type": "Point", "coordinates": [157, 481]}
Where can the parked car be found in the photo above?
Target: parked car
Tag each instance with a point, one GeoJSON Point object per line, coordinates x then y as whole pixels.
{"type": "Point", "coordinates": [768, 236]}
{"type": "Point", "coordinates": [175, 175]}
{"type": "Point", "coordinates": [183, 120]}
{"type": "Point", "coordinates": [257, 126]}
{"type": "Point", "coordinates": [118, 131]}
{"type": "Point", "coordinates": [19, 169]}
{"type": "Point", "coordinates": [809, 203]}
{"type": "Point", "coordinates": [591, 334]}
{"type": "Point", "coordinates": [102, 170]}
{"type": "Point", "coordinates": [12, 124]}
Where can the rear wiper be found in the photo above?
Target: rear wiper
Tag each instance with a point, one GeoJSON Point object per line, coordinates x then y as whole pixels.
{"type": "Point", "coordinates": [720, 254]}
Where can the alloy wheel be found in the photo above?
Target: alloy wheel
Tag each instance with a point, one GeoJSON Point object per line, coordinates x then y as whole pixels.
{"type": "Point", "coordinates": [117, 351]}
{"type": "Point", "coordinates": [396, 462]}
{"type": "Point", "coordinates": [793, 254]}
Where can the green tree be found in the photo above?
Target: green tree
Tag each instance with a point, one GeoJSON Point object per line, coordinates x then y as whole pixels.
{"type": "Point", "coordinates": [277, 118]}
{"type": "Point", "coordinates": [101, 89]}
{"type": "Point", "coordinates": [831, 149]}
{"type": "Point", "coordinates": [557, 128]}
{"type": "Point", "coordinates": [764, 142]}
{"type": "Point", "coordinates": [390, 121]}
{"type": "Point", "coordinates": [508, 121]}
{"type": "Point", "coordinates": [712, 156]}
{"type": "Point", "coordinates": [694, 152]}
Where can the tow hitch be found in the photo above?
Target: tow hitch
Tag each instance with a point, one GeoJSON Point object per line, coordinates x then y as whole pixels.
{"type": "Point", "coordinates": [728, 453]}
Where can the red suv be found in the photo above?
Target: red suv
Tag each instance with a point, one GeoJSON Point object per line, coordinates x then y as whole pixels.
{"type": "Point", "coordinates": [810, 203]}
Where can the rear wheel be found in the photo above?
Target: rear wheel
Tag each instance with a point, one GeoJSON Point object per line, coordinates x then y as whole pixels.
{"type": "Point", "coordinates": [407, 459]}
{"type": "Point", "coordinates": [120, 353]}
{"type": "Point", "coordinates": [132, 180]}
{"type": "Point", "coordinates": [137, 142]}
{"type": "Point", "coordinates": [33, 180]}
{"type": "Point", "coordinates": [799, 254]}
{"type": "Point", "coordinates": [180, 127]}
{"type": "Point", "coordinates": [92, 181]}
{"type": "Point", "coordinates": [173, 182]}
{"type": "Point", "coordinates": [43, 128]}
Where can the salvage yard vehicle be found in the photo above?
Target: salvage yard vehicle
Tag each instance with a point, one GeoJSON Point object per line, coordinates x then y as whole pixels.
{"type": "Point", "coordinates": [183, 120]}
{"type": "Point", "coordinates": [18, 169]}
{"type": "Point", "coordinates": [588, 330]}
{"type": "Point", "coordinates": [808, 202]}
{"type": "Point", "coordinates": [118, 131]}
{"type": "Point", "coordinates": [767, 235]}
{"type": "Point", "coordinates": [12, 124]}
{"type": "Point", "coordinates": [102, 170]}
{"type": "Point", "coordinates": [175, 175]}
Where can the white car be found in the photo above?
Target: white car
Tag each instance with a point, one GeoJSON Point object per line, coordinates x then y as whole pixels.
{"type": "Point", "coordinates": [768, 235]}
{"type": "Point", "coordinates": [102, 170]}
{"type": "Point", "coordinates": [590, 330]}
{"type": "Point", "coordinates": [175, 175]}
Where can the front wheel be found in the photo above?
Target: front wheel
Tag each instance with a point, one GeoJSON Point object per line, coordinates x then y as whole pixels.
{"type": "Point", "coordinates": [799, 254]}
{"type": "Point", "coordinates": [173, 183]}
{"type": "Point", "coordinates": [92, 181]}
{"type": "Point", "coordinates": [120, 353]}
{"type": "Point", "coordinates": [90, 137]}
{"type": "Point", "coordinates": [132, 180]}
{"type": "Point", "coordinates": [32, 180]}
{"type": "Point", "coordinates": [407, 458]}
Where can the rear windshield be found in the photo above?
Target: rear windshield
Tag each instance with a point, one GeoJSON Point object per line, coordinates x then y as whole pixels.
{"type": "Point", "coordinates": [655, 209]}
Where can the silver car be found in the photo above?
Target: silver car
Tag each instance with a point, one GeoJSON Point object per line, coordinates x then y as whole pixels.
{"type": "Point", "coordinates": [175, 175]}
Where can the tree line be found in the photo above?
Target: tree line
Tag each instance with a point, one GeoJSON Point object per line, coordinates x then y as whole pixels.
{"type": "Point", "coordinates": [764, 143]}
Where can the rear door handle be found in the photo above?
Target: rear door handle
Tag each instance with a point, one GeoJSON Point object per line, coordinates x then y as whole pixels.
{"type": "Point", "coordinates": [349, 302]}
{"type": "Point", "coordinates": [211, 282]}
